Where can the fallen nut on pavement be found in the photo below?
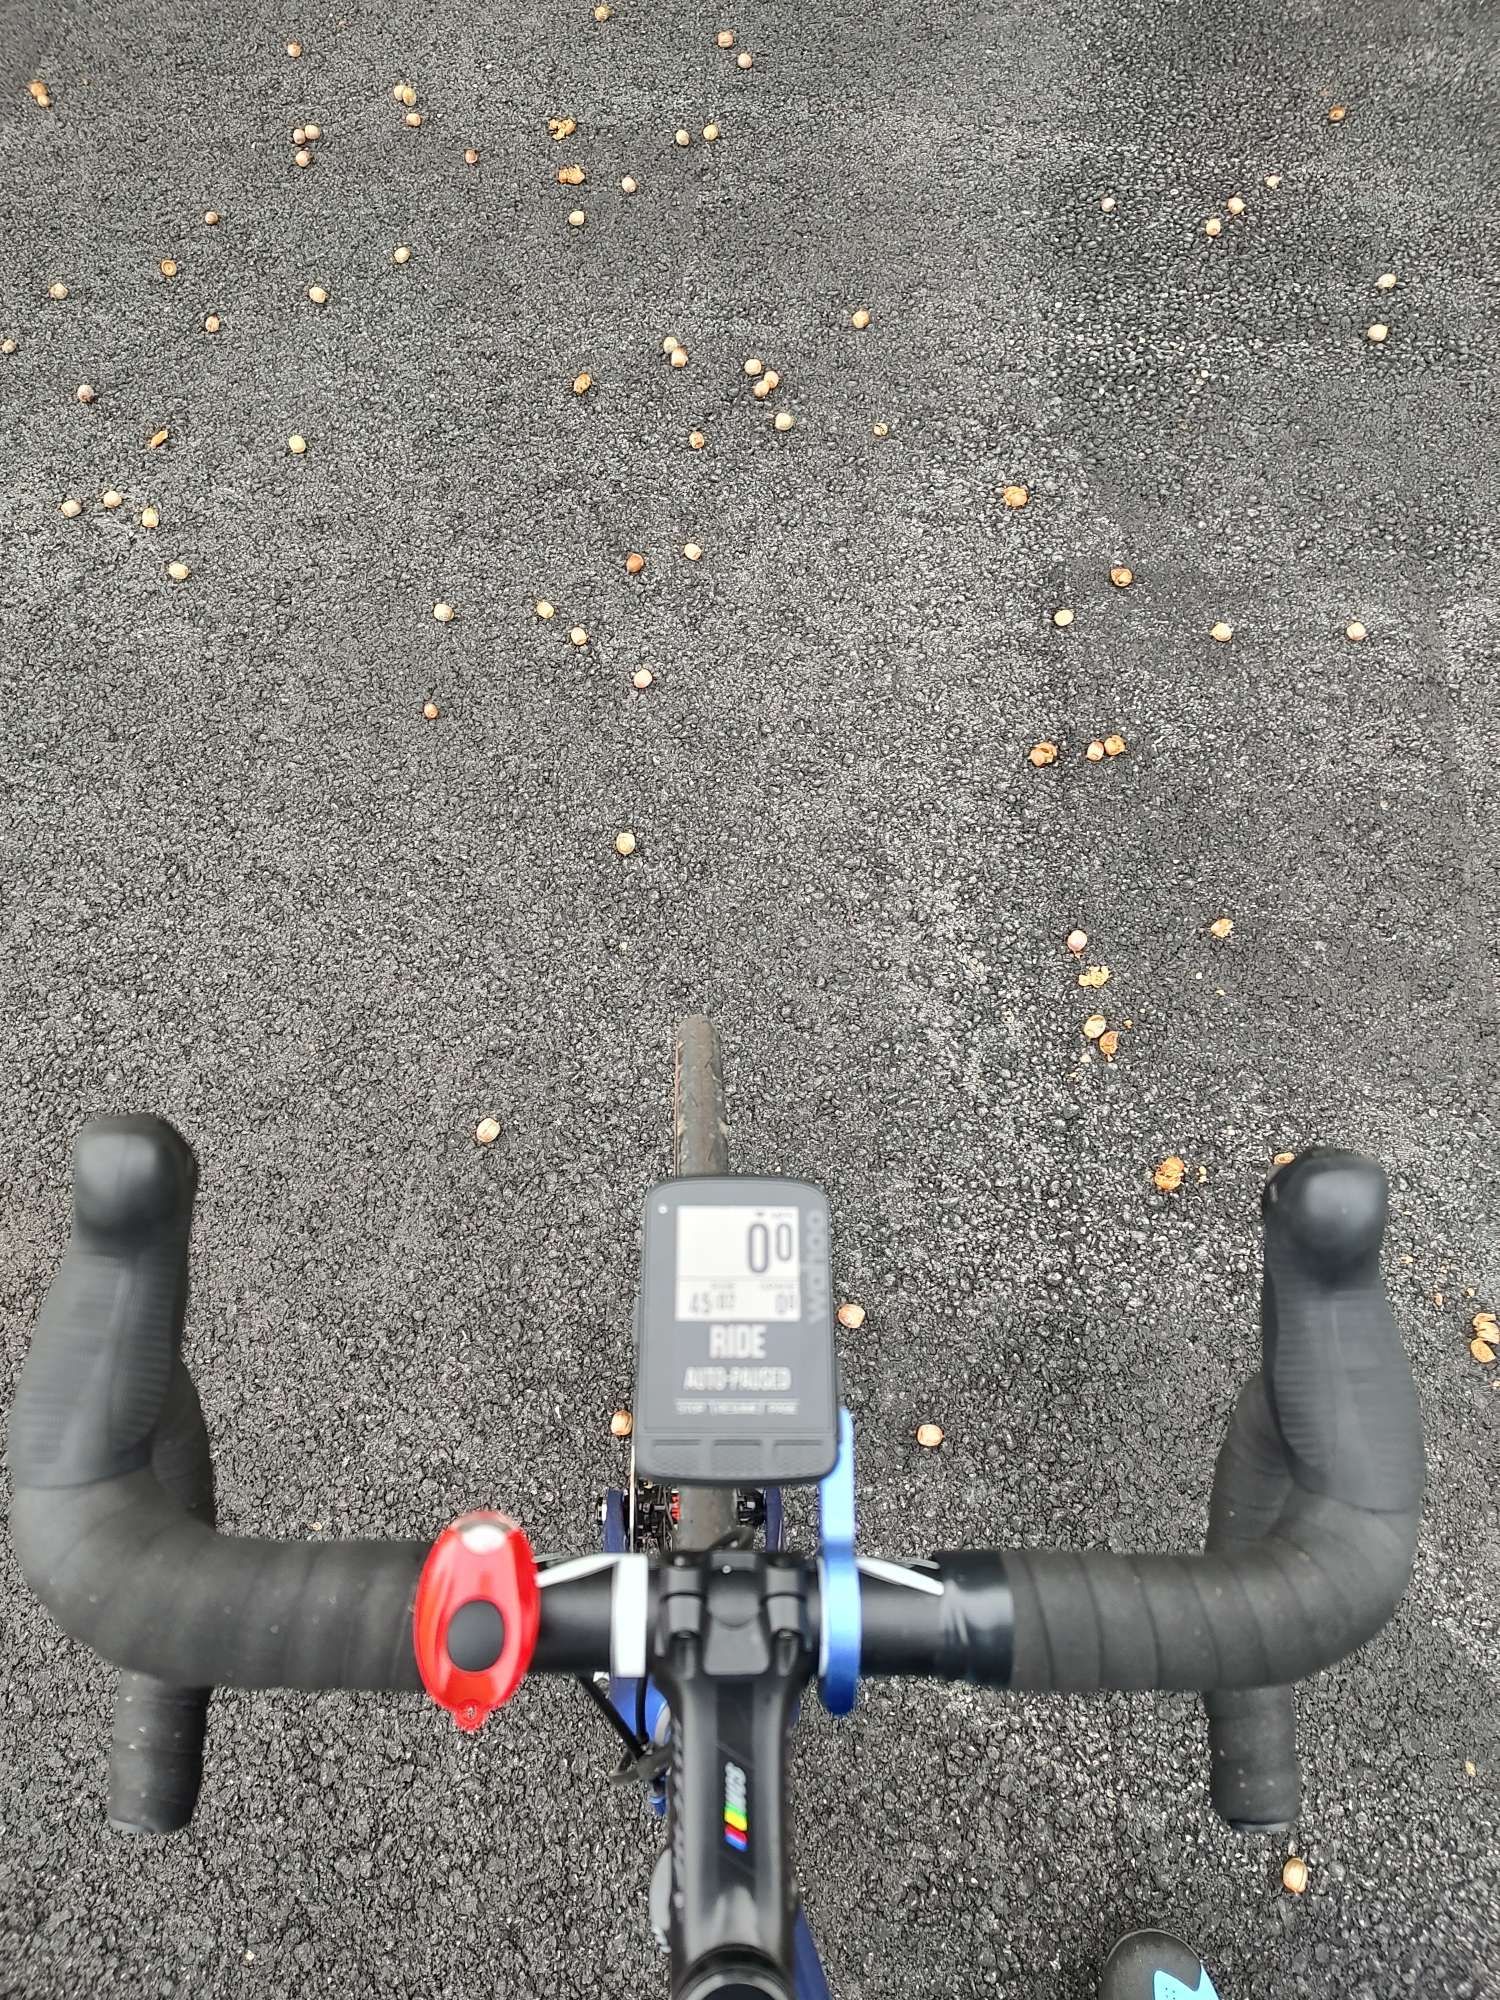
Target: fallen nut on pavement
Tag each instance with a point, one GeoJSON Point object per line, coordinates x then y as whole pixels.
{"type": "Point", "coordinates": [487, 1131]}
{"type": "Point", "coordinates": [1042, 753]}
{"type": "Point", "coordinates": [929, 1436]}
{"type": "Point", "coordinates": [621, 1424]}
{"type": "Point", "coordinates": [1076, 941]}
{"type": "Point", "coordinates": [1221, 927]}
{"type": "Point", "coordinates": [851, 1314]}
{"type": "Point", "coordinates": [1294, 1876]}
{"type": "Point", "coordinates": [1170, 1174]}
{"type": "Point", "coordinates": [625, 842]}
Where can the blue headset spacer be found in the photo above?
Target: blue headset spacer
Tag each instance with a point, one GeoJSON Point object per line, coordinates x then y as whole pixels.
{"type": "Point", "coordinates": [838, 1579]}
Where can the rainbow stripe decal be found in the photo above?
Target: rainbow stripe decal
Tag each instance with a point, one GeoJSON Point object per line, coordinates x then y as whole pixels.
{"type": "Point", "coordinates": [736, 1818]}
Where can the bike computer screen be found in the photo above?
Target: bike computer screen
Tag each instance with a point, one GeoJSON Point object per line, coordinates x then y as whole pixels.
{"type": "Point", "coordinates": [736, 1374]}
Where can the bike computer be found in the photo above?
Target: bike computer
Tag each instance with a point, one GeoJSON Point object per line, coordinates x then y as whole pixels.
{"type": "Point", "coordinates": [736, 1373]}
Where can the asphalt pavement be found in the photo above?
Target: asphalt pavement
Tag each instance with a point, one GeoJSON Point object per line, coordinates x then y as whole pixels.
{"type": "Point", "coordinates": [248, 884]}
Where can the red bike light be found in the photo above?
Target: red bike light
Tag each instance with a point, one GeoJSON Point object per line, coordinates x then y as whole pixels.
{"type": "Point", "coordinates": [475, 1616]}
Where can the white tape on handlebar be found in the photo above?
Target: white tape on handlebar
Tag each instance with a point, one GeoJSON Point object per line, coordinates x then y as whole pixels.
{"type": "Point", "coordinates": [627, 1617]}
{"type": "Point", "coordinates": [574, 1567]}
{"type": "Point", "coordinates": [908, 1579]}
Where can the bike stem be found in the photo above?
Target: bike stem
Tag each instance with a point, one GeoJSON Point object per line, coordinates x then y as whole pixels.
{"type": "Point", "coordinates": [731, 1650]}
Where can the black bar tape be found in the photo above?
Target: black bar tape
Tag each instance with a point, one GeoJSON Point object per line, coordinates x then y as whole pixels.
{"type": "Point", "coordinates": [1337, 1415]}
{"type": "Point", "coordinates": [113, 1553]}
{"type": "Point", "coordinates": [1299, 1592]}
{"type": "Point", "coordinates": [156, 1754]}
{"type": "Point", "coordinates": [962, 1633]}
{"type": "Point", "coordinates": [95, 1380]}
{"type": "Point", "coordinates": [157, 1729]}
{"type": "Point", "coordinates": [1318, 1588]}
{"type": "Point", "coordinates": [1253, 1778]}
{"type": "Point", "coordinates": [1338, 1382]}
{"type": "Point", "coordinates": [112, 1515]}
{"type": "Point", "coordinates": [122, 1568]}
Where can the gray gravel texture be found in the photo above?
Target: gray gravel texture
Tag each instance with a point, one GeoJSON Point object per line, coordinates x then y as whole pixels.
{"type": "Point", "coordinates": [246, 885]}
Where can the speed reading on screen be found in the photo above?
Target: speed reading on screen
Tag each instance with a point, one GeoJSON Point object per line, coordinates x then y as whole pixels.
{"type": "Point", "coordinates": [739, 1262]}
